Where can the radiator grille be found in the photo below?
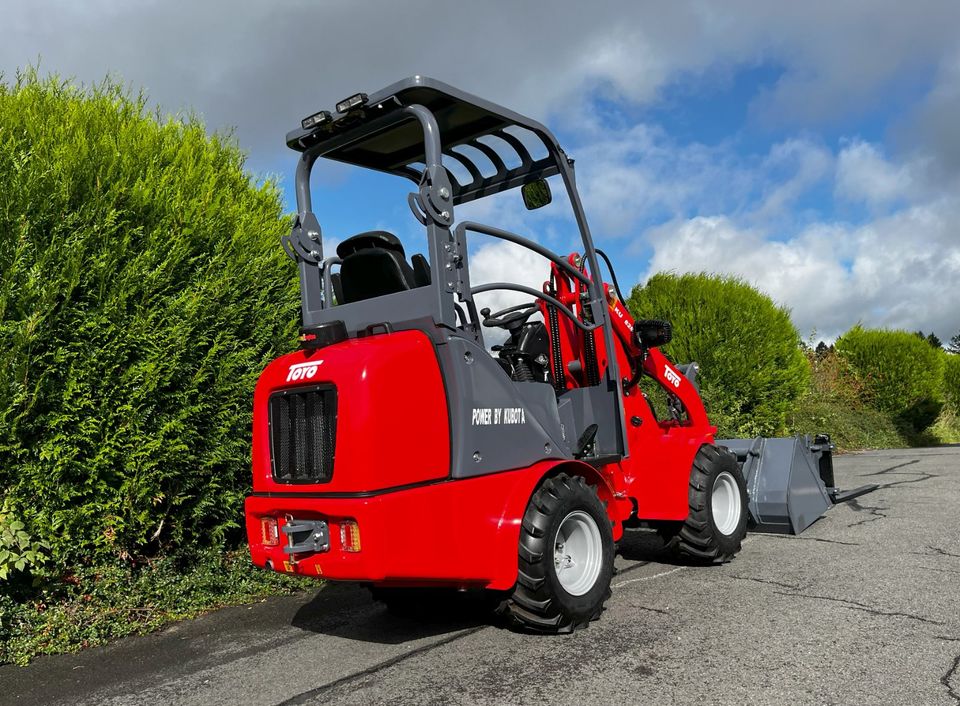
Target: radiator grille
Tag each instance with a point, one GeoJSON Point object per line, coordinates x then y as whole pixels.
{"type": "Point", "coordinates": [303, 432]}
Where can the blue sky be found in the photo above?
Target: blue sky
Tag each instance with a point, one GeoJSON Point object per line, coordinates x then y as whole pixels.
{"type": "Point", "coordinates": [812, 149]}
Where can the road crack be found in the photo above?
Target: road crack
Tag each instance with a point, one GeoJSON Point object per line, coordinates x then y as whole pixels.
{"type": "Point", "coordinates": [921, 477]}
{"type": "Point", "coordinates": [946, 679]}
{"type": "Point", "coordinates": [934, 568]}
{"type": "Point", "coordinates": [311, 694]}
{"type": "Point", "coordinates": [769, 582]}
{"type": "Point", "coordinates": [876, 512]}
{"type": "Point", "coordinates": [800, 538]}
{"type": "Point", "coordinates": [856, 605]}
{"type": "Point", "coordinates": [632, 567]}
{"type": "Point", "coordinates": [892, 468]}
{"type": "Point", "coordinates": [942, 552]}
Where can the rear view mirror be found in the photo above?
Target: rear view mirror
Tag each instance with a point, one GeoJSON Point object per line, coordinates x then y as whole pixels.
{"type": "Point", "coordinates": [536, 194]}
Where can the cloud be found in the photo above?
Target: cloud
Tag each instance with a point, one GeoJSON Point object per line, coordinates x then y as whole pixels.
{"type": "Point", "coordinates": [263, 66]}
{"type": "Point", "coordinates": [899, 271]}
{"type": "Point", "coordinates": [932, 130]}
{"type": "Point", "coordinates": [506, 262]}
{"type": "Point", "coordinates": [864, 174]}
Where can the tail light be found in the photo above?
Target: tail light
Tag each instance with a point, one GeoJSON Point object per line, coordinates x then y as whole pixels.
{"type": "Point", "coordinates": [350, 536]}
{"type": "Point", "coordinates": [269, 532]}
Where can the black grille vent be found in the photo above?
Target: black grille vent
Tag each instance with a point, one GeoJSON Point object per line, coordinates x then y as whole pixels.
{"type": "Point", "coordinates": [303, 431]}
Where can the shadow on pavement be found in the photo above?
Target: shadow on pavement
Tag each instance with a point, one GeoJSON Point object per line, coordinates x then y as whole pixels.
{"type": "Point", "coordinates": [647, 546]}
{"type": "Point", "coordinates": [349, 611]}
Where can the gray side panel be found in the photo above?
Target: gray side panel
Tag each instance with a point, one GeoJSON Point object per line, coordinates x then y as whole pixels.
{"type": "Point", "coordinates": [807, 499]}
{"type": "Point", "coordinates": [592, 405]}
{"type": "Point", "coordinates": [393, 308]}
{"type": "Point", "coordinates": [495, 423]}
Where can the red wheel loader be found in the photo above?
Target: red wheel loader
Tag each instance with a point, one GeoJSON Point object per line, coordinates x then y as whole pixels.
{"type": "Point", "coordinates": [396, 449]}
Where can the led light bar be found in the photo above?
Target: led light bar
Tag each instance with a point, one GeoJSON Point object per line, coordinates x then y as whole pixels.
{"type": "Point", "coordinates": [354, 101]}
{"type": "Point", "coordinates": [316, 119]}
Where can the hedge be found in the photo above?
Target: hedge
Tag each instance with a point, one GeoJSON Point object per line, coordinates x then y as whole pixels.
{"type": "Point", "coordinates": [752, 370]}
{"type": "Point", "coordinates": [142, 290]}
{"type": "Point", "coordinates": [901, 373]}
{"type": "Point", "coordinates": [951, 381]}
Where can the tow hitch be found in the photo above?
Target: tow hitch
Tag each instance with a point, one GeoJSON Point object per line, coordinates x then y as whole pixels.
{"type": "Point", "coordinates": [306, 536]}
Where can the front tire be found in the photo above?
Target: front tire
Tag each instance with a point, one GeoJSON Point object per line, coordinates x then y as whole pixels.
{"type": "Point", "coordinates": [717, 521]}
{"type": "Point", "coordinates": [565, 558]}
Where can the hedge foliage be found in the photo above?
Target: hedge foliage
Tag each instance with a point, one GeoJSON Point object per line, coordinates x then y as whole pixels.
{"type": "Point", "coordinates": [142, 290]}
{"type": "Point", "coordinates": [951, 381]}
{"type": "Point", "coordinates": [752, 370]}
{"type": "Point", "coordinates": [901, 373]}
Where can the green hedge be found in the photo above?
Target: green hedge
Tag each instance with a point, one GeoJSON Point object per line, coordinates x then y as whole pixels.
{"type": "Point", "coordinates": [901, 373]}
{"type": "Point", "coordinates": [752, 370]}
{"type": "Point", "coordinates": [142, 289]}
{"type": "Point", "coordinates": [951, 381]}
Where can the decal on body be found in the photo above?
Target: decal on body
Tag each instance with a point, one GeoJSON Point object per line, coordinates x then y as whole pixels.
{"type": "Point", "coordinates": [489, 416]}
{"type": "Point", "coordinates": [671, 375]}
{"type": "Point", "coordinates": [303, 371]}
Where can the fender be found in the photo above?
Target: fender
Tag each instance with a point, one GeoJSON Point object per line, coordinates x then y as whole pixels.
{"type": "Point", "coordinates": [517, 497]}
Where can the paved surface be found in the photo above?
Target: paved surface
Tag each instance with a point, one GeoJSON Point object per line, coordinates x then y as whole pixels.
{"type": "Point", "coordinates": [863, 608]}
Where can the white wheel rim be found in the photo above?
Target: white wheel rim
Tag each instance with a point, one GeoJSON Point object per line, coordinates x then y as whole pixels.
{"type": "Point", "coordinates": [578, 553]}
{"type": "Point", "coordinates": [725, 503]}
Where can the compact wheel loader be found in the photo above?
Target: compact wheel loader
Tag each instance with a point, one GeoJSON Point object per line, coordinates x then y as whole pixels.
{"type": "Point", "coordinates": [400, 449]}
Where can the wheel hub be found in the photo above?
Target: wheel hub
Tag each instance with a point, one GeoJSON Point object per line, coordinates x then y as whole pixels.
{"type": "Point", "coordinates": [577, 553]}
{"type": "Point", "coordinates": [725, 504]}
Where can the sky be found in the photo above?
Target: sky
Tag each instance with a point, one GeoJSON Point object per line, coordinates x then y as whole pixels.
{"type": "Point", "coordinates": [812, 149]}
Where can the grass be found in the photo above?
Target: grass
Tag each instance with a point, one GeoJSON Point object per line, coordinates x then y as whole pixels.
{"type": "Point", "coordinates": [102, 603]}
{"type": "Point", "coordinates": [946, 430]}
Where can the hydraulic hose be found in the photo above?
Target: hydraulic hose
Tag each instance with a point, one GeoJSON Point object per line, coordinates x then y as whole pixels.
{"type": "Point", "coordinates": [613, 275]}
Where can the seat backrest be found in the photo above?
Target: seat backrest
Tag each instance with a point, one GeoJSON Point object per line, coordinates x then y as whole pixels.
{"type": "Point", "coordinates": [373, 265]}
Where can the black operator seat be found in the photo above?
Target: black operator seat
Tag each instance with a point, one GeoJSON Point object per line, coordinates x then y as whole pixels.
{"type": "Point", "coordinates": [374, 264]}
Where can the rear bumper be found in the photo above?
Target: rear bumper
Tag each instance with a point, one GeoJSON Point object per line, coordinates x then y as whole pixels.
{"type": "Point", "coordinates": [458, 533]}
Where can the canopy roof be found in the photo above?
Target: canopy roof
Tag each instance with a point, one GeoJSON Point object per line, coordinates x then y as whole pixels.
{"type": "Point", "coordinates": [382, 136]}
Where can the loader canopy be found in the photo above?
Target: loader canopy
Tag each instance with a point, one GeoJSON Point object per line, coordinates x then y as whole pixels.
{"type": "Point", "coordinates": [375, 136]}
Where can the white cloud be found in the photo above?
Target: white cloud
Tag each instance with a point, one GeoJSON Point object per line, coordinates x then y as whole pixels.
{"type": "Point", "coordinates": [899, 271]}
{"type": "Point", "coordinates": [864, 174]}
{"type": "Point", "coordinates": [262, 67]}
{"type": "Point", "coordinates": [506, 262]}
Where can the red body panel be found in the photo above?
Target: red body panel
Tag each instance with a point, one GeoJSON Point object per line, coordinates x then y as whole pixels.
{"type": "Point", "coordinates": [390, 399]}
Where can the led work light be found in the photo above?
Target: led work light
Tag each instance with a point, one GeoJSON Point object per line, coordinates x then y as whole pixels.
{"type": "Point", "coordinates": [316, 119]}
{"type": "Point", "coordinates": [354, 101]}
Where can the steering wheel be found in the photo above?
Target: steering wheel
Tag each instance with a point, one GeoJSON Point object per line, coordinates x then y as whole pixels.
{"type": "Point", "coordinates": [510, 318]}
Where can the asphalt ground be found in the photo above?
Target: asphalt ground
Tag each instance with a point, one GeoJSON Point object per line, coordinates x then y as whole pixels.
{"type": "Point", "coordinates": [863, 608]}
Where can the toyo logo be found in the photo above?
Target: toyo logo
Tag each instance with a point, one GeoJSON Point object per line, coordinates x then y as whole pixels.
{"type": "Point", "coordinates": [303, 371]}
{"type": "Point", "coordinates": [672, 377]}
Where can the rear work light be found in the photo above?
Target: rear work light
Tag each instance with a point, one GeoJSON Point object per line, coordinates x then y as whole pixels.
{"type": "Point", "coordinates": [312, 121]}
{"type": "Point", "coordinates": [355, 101]}
{"type": "Point", "coordinates": [269, 532]}
{"type": "Point", "coordinates": [350, 536]}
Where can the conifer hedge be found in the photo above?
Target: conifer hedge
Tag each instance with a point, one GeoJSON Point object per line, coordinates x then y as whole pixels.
{"type": "Point", "coordinates": [142, 290]}
{"type": "Point", "coordinates": [951, 380]}
{"type": "Point", "coordinates": [901, 373]}
{"type": "Point", "coordinates": [752, 369]}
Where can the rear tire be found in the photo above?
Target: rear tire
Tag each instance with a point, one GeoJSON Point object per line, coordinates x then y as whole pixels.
{"type": "Point", "coordinates": [717, 521]}
{"type": "Point", "coordinates": [565, 558]}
